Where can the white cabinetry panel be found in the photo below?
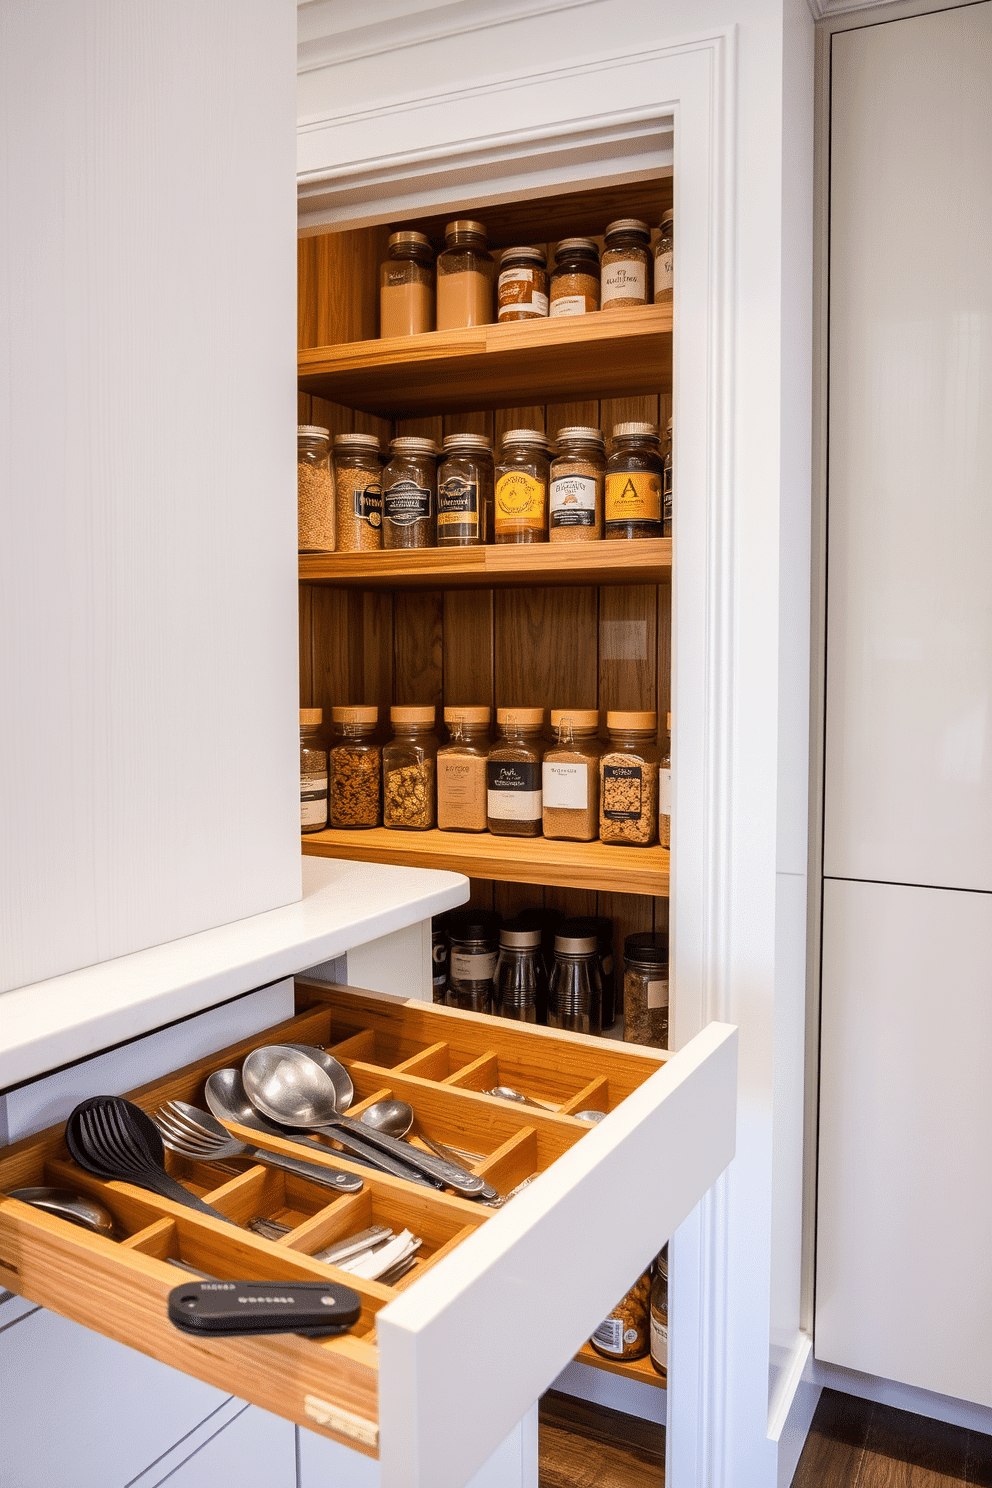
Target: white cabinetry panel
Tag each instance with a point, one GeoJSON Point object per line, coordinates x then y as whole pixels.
{"type": "Point", "coordinates": [904, 1209]}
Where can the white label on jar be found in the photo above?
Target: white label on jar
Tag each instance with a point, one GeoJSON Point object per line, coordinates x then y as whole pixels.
{"type": "Point", "coordinates": [658, 993]}
{"type": "Point", "coordinates": [659, 1341]}
{"type": "Point", "coordinates": [472, 966]}
{"type": "Point", "coordinates": [664, 792]}
{"type": "Point", "coordinates": [664, 271]}
{"type": "Point", "coordinates": [505, 805]}
{"type": "Point", "coordinates": [624, 280]}
{"type": "Point", "coordinates": [566, 785]}
{"type": "Point", "coordinates": [573, 497]}
{"type": "Point", "coordinates": [609, 1336]}
{"type": "Point", "coordinates": [568, 305]}
{"type": "Point", "coordinates": [516, 276]}
{"type": "Point", "coordinates": [313, 800]}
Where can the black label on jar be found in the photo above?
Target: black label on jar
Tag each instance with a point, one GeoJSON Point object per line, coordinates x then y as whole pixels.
{"type": "Point", "coordinates": [458, 504]}
{"type": "Point", "coordinates": [514, 790]}
{"type": "Point", "coordinates": [569, 517]}
{"type": "Point", "coordinates": [368, 504]}
{"type": "Point", "coordinates": [622, 792]}
{"type": "Point", "coordinates": [406, 503]}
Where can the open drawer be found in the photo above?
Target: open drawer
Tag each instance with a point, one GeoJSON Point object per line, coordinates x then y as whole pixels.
{"type": "Point", "coordinates": [443, 1364]}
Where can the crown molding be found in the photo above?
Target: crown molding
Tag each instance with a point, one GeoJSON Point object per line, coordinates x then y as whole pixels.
{"type": "Point", "coordinates": [826, 10]}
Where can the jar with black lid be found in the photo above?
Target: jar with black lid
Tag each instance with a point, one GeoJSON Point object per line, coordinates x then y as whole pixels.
{"type": "Point", "coordinates": [626, 264]}
{"type": "Point", "coordinates": [521, 987]}
{"type": "Point", "coordinates": [575, 278]}
{"type": "Point", "coordinates": [522, 290]}
{"type": "Point", "coordinates": [633, 482]}
{"type": "Point", "coordinates": [575, 996]}
{"type": "Point", "coordinates": [406, 286]}
{"type": "Point", "coordinates": [472, 934]}
{"type": "Point", "coordinates": [465, 483]}
{"type": "Point", "coordinates": [522, 478]}
{"type": "Point", "coordinates": [645, 989]}
{"type": "Point", "coordinates": [409, 494]}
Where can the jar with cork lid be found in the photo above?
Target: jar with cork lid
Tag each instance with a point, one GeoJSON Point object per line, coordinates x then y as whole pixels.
{"type": "Point", "coordinates": [626, 264]}
{"type": "Point", "coordinates": [628, 780]}
{"type": "Point", "coordinates": [578, 474]}
{"type": "Point", "coordinates": [633, 482]}
{"type": "Point", "coordinates": [409, 769]}
{"type": "Point", "coordinates": [406, 286]}
{"type": "Point", "coordinates": [570, 777]}
{"type": "Point", "coordinates": [522, 478]}
{"type": "Point", "coordinates": [575, 278]}
{"type": "Point", "coordinates": [513, 774]}
{"type": "Point", "coordinates": [522, 288]}
{"type": "Point", "coordinates": [358, 477]}
{"type": "Point", "coordinates": [354, 768]}
{"type": "Point", "coordinates": [664, 260]}
{"type": "Point", "coordinates": [409, 494]}
{"type": "Point", "coordinates": [464, 277]}
{"type": "Point", "coordinates": [315, 490]}
{"type": "Point", "coordinates": [465, 481]}
{"type": "Point", "coordinates": [313, 772]}
{"type": "Point", "coordinates": [461, 771]}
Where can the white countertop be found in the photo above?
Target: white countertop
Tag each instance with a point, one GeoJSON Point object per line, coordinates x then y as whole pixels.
{"type": "Point", "coordinates": [344, 904]}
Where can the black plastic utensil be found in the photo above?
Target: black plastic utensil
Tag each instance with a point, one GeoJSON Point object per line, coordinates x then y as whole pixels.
{"type": "Point", "coordinates": [229, 1309]}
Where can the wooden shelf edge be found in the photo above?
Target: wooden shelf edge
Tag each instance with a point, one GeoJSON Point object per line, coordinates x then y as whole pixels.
{"type": "Point", "coordinates": [548, 564]}
{"type": "Point", "coordinates": [641, 1370]}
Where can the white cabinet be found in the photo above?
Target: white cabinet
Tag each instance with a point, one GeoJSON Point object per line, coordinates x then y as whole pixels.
{"type": "Point", "coordinates": [248, 1448]}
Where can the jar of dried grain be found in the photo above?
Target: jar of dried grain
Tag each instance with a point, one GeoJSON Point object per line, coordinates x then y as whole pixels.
{"type": "Point", "coordinates": [409, 768]}
{"type": "Point", "coordinates": [667, 486]}
{"type": "Point", "coordinates": [465, 481]}
{"type": "Point", "coordinates": [628, 780]}
{"type": "Point", "coordinates": [409, 494]}
{"type": "Point", "coordinates": [575, 278]}
{"type": "Point", "coordinates": [626, 1333]}
{"type": "Point", "coordinates": [354, 768]}
{"type": "Point", "coordinates": [461, 771]}
{"type": "Point", "coordinates": [406, 286]}
{"type": "Point", "coordinates": [522, 479]}
{"type": "Point", "coordinates": [313, 772]}
{"type": "Point", "coordinates": [570, 776]}
{"type": "Point", "coordinates": [314, 489]}
{"type": "Point", "coordinates": [664, 261]}
{"type": "Point", "coordinates": [522, 290]}
{"type": "Point", "coordinates": [665, 787]}
{"type": "Point", "coordinates": [626, 264]}
{"type": "Point", "coordinates": [513, 774]}
{"type": "Point", "coordinates": [645, 989]}
{"type": "Point", "coordinates": [633, 482]}
{"type": "Point", "coordinates": [578, 473]}
{"type": "Point", "coordinates": [358, 474]}
{"type": "Point", "coordinates": [464, 277]}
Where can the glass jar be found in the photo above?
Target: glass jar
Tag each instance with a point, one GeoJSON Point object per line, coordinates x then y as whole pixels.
{"type": "Point", "coordinates": [667, 488]}
{"type": "Point", "coordinates": [472, 934]}
{"type": "Point", "coordinates": [461, 771]}
{"type": "Point", "coordinates": [313, 772]}
{"type": "Point", "coordinates": [628, 780]}
{"type": "Point", "coordinates": [626, 1333]}
{"type": "Point", "coordinates": [626, 264]}
{"type": "Point", "coordinates": [603, 926]}
{"type": "Point", "coordinates": [575, 278]}
{"type": "Point", "coordinates": [664, 261]}
{"type": "Point", "coordinates": [354, 769]}
{"type": "Point", "coordinates": [570, 776]}
{"type": "Point", "coordinates": [522, 477]}
{"type": "Point", "coordinates": [464, 277]}
{"type": "Point", "coordinates": [659, 1313]}
{"type": "Point", "coordinates": [575, 996]}
{"type": "Point", "coordinates": [645, 989]}
{"type": "Point", "coordinates": [633, 483]}
{"type": "Point", "coordinates": [513, 774]}
{"type": "Point", "coordinates": [408, 770]}
{"type": "Point", "coordinates": [520, 988]}
{"type": "Point", "coordinates": [578, 472]}
{"type": "Point", "coordinates": [665, 787]}
{"type": "Point", "coordinates": [465, 483]}
{"type": "Point", "coordinates": [522, 289]}
{"type": "Point", "coordinates": [409, 494]}
{"type": "Point", "coordinates": [314, 490]}
{"type": "Point", "coordinates": [358, 478]}
{"type": "Point", "coordinates": [440, 952]}
{"type": "Point", "coordinates": [406, 286]}
{"type": "Point", "coordinates": [547, 920]}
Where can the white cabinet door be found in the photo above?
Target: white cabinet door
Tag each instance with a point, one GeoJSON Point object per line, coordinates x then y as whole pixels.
{"type": "Point", "coordinates": [249, 1449]}
{"type": "Point", "coordinates": [904, 1215]}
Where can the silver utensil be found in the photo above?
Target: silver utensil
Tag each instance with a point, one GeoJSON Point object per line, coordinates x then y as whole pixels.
{"type": "Point", "coordinates": [78, 1209]}
{"type": "Point", "coordinates": [269, 1229]}
{"type": "Point", "coordinates": [591, 1116]}
{"type": "Point", "coordinates": [198, 1135]}
{"type": "Point", "coordinates": [354, 1244]}
{"type": "Point", "coordinates": [506, 1092]}
{"type": "Point", "coordinates": [396, 1118]}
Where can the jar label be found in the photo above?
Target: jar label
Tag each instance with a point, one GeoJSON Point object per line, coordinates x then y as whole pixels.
{"type": "Point", "coordinates": [569, 305]}
{"type": "Point", "coordinates": [520, 498]}
{"type": "Point", "coordinates": [622, 792]}
{"type": "Point", "coordinates": [658, 993]}
{"type": "Point", "coordinates": [456, 780]}
{"type": "Point", "coordinates": [368, 504]}
{"type": "Point", "coordinates": [664, 792]}
{"type": "Point", "coordinates": [573, 501]}
{"type": "Point", "coordinates": [659, 1341]}
{"type": "Point", "coordinates": [609, 1336]}
{"type": "Point", "coordinates": [624, 280]}
{"type": "Point", "coordinates": [406, 503]}
{"type": "Point", "coordinates": [472, 966]}
{"type": "Point", "coordinates": [458, 504]}
{"type": "Point", "coordinates": [633, 496]}
{"type": "Point", "coordinates": [313, 800]}
{"type": "Point", "coordinates": [514, 790]}
{"type": "Point", "coordinates": [664, 271]}
{"type": "Point", "coordinates": [566, 785]}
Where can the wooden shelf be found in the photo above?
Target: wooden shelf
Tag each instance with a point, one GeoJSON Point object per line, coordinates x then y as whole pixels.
{"type": "Point", "coordinates": [537, 860]}
{"type": "Point", "coordinates": [639, 1369]}
{"type": "Point", "coordinates": [647, 561]}
{"type": "Point", "coordinates": [610, 354]}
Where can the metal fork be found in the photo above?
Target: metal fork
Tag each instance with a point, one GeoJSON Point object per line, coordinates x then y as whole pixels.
{"type": "Point", "coordinates": [198, 1135]}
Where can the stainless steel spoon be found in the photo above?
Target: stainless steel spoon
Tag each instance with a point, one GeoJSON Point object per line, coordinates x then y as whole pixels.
{"type": "Point", "coordinates": [591, 1116]}
{"type": "Point", "coordinates": [78, 1209]}
{"type": "Point", "coordinates": [396, 1118]}
{"type": "Point", "coordinates": [506, 1092]}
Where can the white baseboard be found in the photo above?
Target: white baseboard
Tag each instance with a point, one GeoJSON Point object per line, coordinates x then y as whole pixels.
{"type": "Point", "coordinates": [792, 1407]}
{"type": "Point", "coordinates": [904, 1397]}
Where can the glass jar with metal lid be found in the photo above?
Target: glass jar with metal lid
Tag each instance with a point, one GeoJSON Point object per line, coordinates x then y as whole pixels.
{"type": "Point", "coordinates": [461, 771]}
{"type": "Point", "coordinates": [358, 479]}
{"type": "Point", "coordinates": [354, 768]}
{"type": "Point", "coordinates": [409, 494]}
{"type": "Point", "coordinates": [575, 278]}
{"type": "Point", "coordinates": [575, 994]}
{"type": "Point", "coordinates": [628, 780]}
{"type": "Point", "coordinates": [313, 772]}
{"type": "Point", "coordinates": [409, 763]}
{"type": "Point", "coordinates": [522, 478]}
{"type": "Point", "coordinates": [667, 486]}
{"type": "Point", "coordinates": [633, 482]}
{"type": "Point", "coordinates": [513, 774]}
{"type": "Point", "coordinates": [472, 934]}
{"type": "Point", "coordinates": [314, 490]}
{"type": "Point", "coordinates": [626, 264]}
{"type": "Point", "coordinates": [522, 288]}
{"type": "Point", "coordinates": [406, 286]}
{"type": "Point", "coordinates": [645, 989]}
{"type": "Point", "coordinates": [465, 481]}
{"type": "Point", "coordinates": [578, 473]}
{"type": "Point", "coordinates": [570, 776]}
{"type": "Point", "coordinates": [520, 987]}
{"type": "Point", "coordinates": [464, 277]}
{"type": "Point", "coordinates": [664, 261]}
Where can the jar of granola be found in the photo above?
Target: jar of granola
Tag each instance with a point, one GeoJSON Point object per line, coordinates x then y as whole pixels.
{"type": "Point", "coordinates": [358, 477]}
{"type": "Point", "coordinates": [409, 494]}
{"type": "Point", "coordinates": [628, 780]}
{"type": "Point", "coordinates": [409, 768]}
{"type": "Point", "coordinates": [633, 483]}
{"type": "Point", "coordinates": [522, 477]}
{"type": "Point", "coordinates": [575, 278]}
{"type": "Point", "coordinates": [522, 290]}
{"type": "Point", "coordinates": [664, 261]}
{"type": "Point", "coordinates": [513, 774]}
{"type": "Point", "coordinates": [578, 473]}
{"type": "Point", "coordinates": [626, 264]}
{"type": "Point", "coordinates": [354, 769]}
{"type": "Point", "coordinates": [465, 483]}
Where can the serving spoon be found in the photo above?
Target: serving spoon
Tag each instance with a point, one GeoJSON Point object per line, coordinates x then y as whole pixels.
{"type": "Point", "coordinates": [78, 1209]}
{"type": "Point", "coordinates": [396, 1118]}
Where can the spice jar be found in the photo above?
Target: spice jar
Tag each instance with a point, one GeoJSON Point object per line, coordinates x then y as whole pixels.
{"type": "Point", "coordinates": [575, 503]}
{"type": "Point", "coordinates": [522, 476]}
{"type": "Point", "coordinates": [408, 769]}
{"type": "Point", "coordinates": [314, 490]}
{"type": "Point", "coordinates": [313, 772]}
{"type": "Point", "coordinates": [513, 774]}
{"type": "Point", "coordinates": [472, 961]}
{"type": "Point", "coordinates": [409, 494]}
{"type": "Point", "coordinates": [358, 475]}
{"type": "Point", "coordinates": [626, 264]}
{"type": "Point", "coordinates": [354, 768]}
{"type": "Point", "coordinates": [406, 286]}
{"type": "Point", "coordinates": [633, 483]}
{"type": "Point", "coordinates": [626, 1333]}
{"type": "Point", "coordinates": [659, 1313]}
{"type": "Point", "coordinates": [461, 771]}
{"type": "Point", "coordinates": [465, 482]}
{"type": "Point", "coordinates": [645, 989]}
{"type": "Point", "coordinates": [664, 261]}
{"type": "Point", "coordinates": [440, 952]}
{"type": "Point", "coordinates": [575, 996]}
{"type": "Point", "coordinates": [603, 926]}
{"type": "Point", "coordinates": [570, 776]}
{"type": "Point", "coordinates": [628, 780]}
{"type": "Point", "coordinates": [575, 278]}
{"type": "Point", "coordinates": [464, 277]}
{"type": "Point", "coordinates": [665, 788]}
{"type": "Point", "coordinates": [520, 987]}
{"type": "Point", "coordinates": [667, 486]}
{"type": "Point", "coordinates": [522, 289]}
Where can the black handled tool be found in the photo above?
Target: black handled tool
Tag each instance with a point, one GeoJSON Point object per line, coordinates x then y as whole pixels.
{"type": "Point", "coordinates": [228, 1309]}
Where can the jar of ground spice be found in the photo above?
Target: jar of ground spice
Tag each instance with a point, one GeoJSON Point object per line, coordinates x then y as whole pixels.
{"type": "Point", "coordinates": [667, 486]}
{"type": "Point", "coordinates": [664, 261]}
{"type": "Point", "coordinates": [406, 286]}
{"type": "Point", "coordinates": [358, 475]}
{"type": "Point", "coordinates": [665, 788]}
{"type": "Point", "coordinates": [626, 264]}
{"type": "Point", "coordinates": [570, 776]}
{"type": "Point", "coordinates": [461, 771]}
{"type": "Point", "coordinates": [315, 489]}
{"type": "Point", "coordinates": [464, 277]}
{"type": "Point", "coordinates": [578, 473]}
{"type": "Point", "coordinates": [409, 494]}
{"type": "Point", "coordinates": [465, 481]}
{"type": "Point", "coordinates": [575, 278]}
{"type": "Point", "coordinates": [628, 780]}
{"type": "Point", "coordinates": [313, 772]}
{"type": "Point", "coordinates": [633, 483]}
{"type": "Point", "coordinates": [513, 774]}
{"type": "Point", "coordinates": [522, 290]}
{"type": "Point", "coordinates": [645, 989]}
{"type": "Point", "coordinates": [408, 769]}
{"type": "Point", "coordinates": [522, 479]}
{"type": "Point", "coordinates": [354, 768]}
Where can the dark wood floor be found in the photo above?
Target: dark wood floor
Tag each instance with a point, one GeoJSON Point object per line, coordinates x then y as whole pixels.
{"type": "Point", "coordinates": [590, 1446]}
{"type": "Point", "coordinates": [855, 1444]}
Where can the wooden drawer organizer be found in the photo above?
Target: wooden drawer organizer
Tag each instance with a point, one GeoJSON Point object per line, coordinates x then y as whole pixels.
{"type": "Point", "coordinates": [440, 1061]}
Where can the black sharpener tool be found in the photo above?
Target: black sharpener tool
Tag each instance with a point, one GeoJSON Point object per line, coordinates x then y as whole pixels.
{"type": "Point", "coordinates": [243, 1309]}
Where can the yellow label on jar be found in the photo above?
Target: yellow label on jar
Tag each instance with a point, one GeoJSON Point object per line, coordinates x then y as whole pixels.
{"type": "Point", "coordinates": [633, 496]}
{"type": "Point", "coordinates": [520, 498]}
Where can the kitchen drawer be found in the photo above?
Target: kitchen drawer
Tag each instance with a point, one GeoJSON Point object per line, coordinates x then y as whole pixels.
{"type": "Point", "coordinates": [442, 1365]}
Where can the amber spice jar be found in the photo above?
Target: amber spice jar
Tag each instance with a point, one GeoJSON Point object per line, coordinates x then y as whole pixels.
{"type": "Point", "coordinates": [626, 265]}
{"type": "Point", "coordinates": [634, 474]}
{"type": "Point", "coordinates": [522, 477]}
{"type": "Point", "coordinates": [578, 473]}
{"type": "Point", "coordinates": [522, 288]}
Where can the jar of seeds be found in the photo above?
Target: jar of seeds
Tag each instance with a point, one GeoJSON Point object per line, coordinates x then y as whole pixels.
{"type": "Point", "coordinates": [406, 286]}
{"type": "Point", "coordinates": [409, 494]}
{"type": "Point", "coordinates": [464, 277]}
{"type": "Point", "coordinates": [513, 774]}
{"type": "Point", "coordinates": [522, 478]}
{"type": "Point", "coordinates": [522, 291]}
{"type": "Point", "coordinates": [408, 769]}
{"type": "Point", "coordinates": [575, 278]}
{"type": "Point", "coordinates": [570, 776]}
{"type": "Point", "coordinates": [645, 989]}
{"type": "Point", "coordinates": [472, 961]}
{"type": "Point", "coordinates": [358, 472]}
{"type": "Point", "coordinates": [667, 486]}
{"type": "Point", "coordinates": [633, 483]}
{"type": "Point", "coordinates": [626, 264]}
{"type": "Point", "coordinates": [461, 771]}
{"type": "Point", "coordinates": [314, 489]}
{"type": "Point", "coordinates": [354, 769]}
{"type": "Point", "coordinates": [313, 772]}
{"type": "Point", "coordinates": [465, 482]}
{"type": "Point", "coordinates": [664, 261]}
{"type": "Point", "coordinates": [628, 780]}
{"type": "Point", "coordinates": [578, 473]}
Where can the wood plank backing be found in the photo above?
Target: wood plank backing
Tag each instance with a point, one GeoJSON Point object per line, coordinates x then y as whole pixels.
{"type": "Point", "coordinates": [418, 660]}
{"type": "Point", "coordinates": [546, 648]}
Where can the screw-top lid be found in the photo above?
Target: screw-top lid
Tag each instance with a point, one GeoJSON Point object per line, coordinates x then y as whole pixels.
{"type": "Point", "coordinates": [589, 435]}
{"type": "Point", "coordinates": [474, 924]}
{"type": "Point", "coordinates": [643, 722]}
{"type": "Point", "coordinates": [630, 225]}
{"type": "Point", "coordinates": [577, 245]}
{"type": "Point", "coordinates": [312, 431]}
{"type": "Point", "coordinates": [397, 238]}
{"type": "Point", "coordinates": [525, 255]}
{"type": "Point", "coordinates": [526, 436]}
{"type": "Point", "coordinates": [413, 444]}
{"type": "Point", "coordinates": [464, 225]}
{"type": "Point", "coordinates": [311, 716]}
{"type": "Point", "coordinates": [667, 218]}
{"type": "Point", "coordinates": [576, 938]}
{"type": "Point", "coordinates": [580, 718]}
{"type": "Point", "coordinates": [468, 714]}
{"type": "Point", "coordinates": [642, 431]}
{"type": "Point", "coordinates": [412, 713]}
{"type": "Point", "coordinates": [518, 937]}
{"type": "Point", "coordinates": [468, 441]}
{"type": "Point", "coordinates": [647, 945]}
{"type": "Point", "coordinates": [355, 713]}
{"type": "Point", "coordinates": [520, 717]}
{"type": "Point", "coordinates": [356, 441]}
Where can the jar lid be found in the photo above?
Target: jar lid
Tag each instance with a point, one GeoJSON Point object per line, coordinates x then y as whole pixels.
{"type": "Point", "coordinates": [643, 431]}
{"type": "Point", "coordinates": [577, 245]}
{"type": "Point", "coordinates": [576, 938]}
{"type": "Point", "coordinates": [412, 713]}
{"type": "Point", "coordinates": [643, 722]}
{"type": "Point", "coordinates": [668, 218]}
{"type": "Point", "coordinates": [468, 714]}
{"type": "Point", "coordinates": [630, 225]}
{"type": "Point", "coordinates": [356, 441]}
{"type": "Point", "coordinates": [592, 436]}
{"type": "Point", "coordinates": [409, 237]}
{"type": "Point", "coordinates": [519, 937]}
{"type": "Point", "coordinates": [355, 713]}
{"type": "Point", "coordinates": [464, 225]}
{"type": "Point", "coordinates": [473, 924]}
{"type": "Point", "coordinates": [522, 717]}
{"type": "Point", "coordinates": [412, 444]}
{"type": "Point", "coordinates": [468, 441]}
{"type": "Point", "coordinates": [526, 436]}
{"type": "Point", "coordinates": [525, 255]}
{"type": "Point", "coordinates": [310, 716]}
{"type": "Point", "coordinates": [312, 431]}
{"type": "Point", "coordinates": [581, 718]}
{"type": "Point", "coordinates": [647, 945]}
